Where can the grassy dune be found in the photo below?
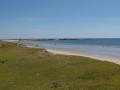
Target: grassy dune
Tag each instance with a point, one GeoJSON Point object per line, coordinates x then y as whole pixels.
{"type": "Point", "coordinates": [24, 68]}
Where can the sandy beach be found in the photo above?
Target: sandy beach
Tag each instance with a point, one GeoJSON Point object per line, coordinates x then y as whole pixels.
{"type": "Point", "coordinates": [93, 56]}
{"type": "Point", "coordinates": [97, 57]}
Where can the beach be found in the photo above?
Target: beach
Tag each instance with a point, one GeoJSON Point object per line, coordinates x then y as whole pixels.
{"type": "Point", "coordinates": [115, 60]}
{"type": "Point", "coordinates": [96, 57]}
{"type": "Point", "coordinates": [92, 56]}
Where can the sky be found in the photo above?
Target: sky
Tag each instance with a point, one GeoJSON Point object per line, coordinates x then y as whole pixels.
{"type": "Point", "coordinates": [59, 19]}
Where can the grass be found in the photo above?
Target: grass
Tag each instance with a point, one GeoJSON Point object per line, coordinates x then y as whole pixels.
{"type": "Point", "coordinates": [24, 68]}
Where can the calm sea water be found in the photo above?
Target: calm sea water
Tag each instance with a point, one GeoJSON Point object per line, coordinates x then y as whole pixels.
{"type": "Point", "coordinates": [106, 47]}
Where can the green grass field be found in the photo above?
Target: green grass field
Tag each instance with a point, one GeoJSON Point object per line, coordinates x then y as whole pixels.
{"type": "Point", "coordinates": [24, 68]}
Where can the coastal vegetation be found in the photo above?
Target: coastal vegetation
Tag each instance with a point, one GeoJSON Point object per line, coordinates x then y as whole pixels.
{"type": "Point", "coordinates": [23, 68]}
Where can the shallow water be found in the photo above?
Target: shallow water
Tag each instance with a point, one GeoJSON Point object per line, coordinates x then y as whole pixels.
{"type": "Point", "coordinates": [106, 47]}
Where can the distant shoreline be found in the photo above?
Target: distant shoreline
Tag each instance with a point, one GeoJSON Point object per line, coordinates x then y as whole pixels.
{"type": "Point", "coordinates": [42, 39]}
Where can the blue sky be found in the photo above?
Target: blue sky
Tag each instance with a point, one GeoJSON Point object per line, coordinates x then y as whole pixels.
{"type": "Point", "coordinates": [59, 19]}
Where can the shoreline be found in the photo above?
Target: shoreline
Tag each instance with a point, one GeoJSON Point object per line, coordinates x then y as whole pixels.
{"type": "Point", "coordinates": [92, 56]}
{"type": "Point", "coordinates": [96, 57]}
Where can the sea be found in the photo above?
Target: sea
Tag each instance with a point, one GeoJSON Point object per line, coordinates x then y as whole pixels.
{"type": "Point", "coordinates": [96, 46]}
